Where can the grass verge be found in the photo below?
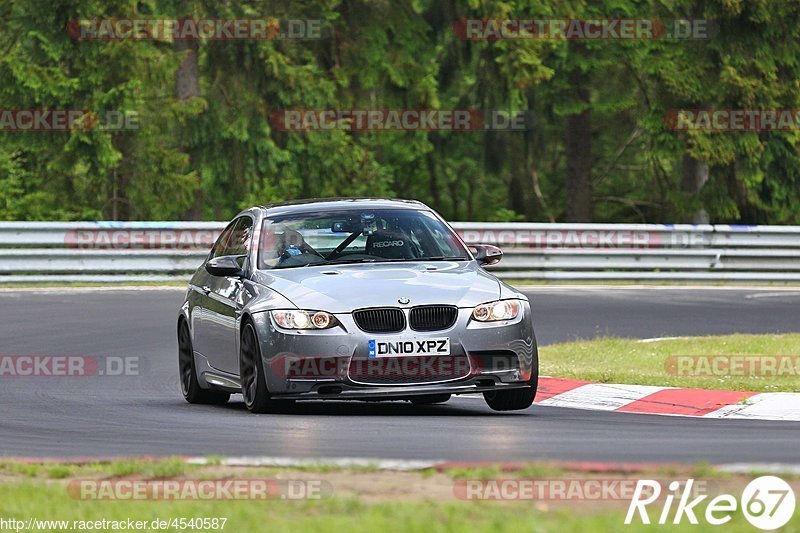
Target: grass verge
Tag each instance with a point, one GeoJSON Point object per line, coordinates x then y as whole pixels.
{"type": "Point", "coordinates": [613, 360]}
{"type": "Point", "coordinates": [360, 499]}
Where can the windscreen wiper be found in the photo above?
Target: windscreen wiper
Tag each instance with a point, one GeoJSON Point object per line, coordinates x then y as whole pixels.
{"type": "Point", "coordinates": [392, 260]}
{"type": "Point", "coordinates": [363, 260]}
{"type": "Point", "coordinates": [441, 258]}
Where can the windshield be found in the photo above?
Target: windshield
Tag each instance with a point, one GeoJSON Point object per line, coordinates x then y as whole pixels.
{"type": "Point", "coordinates": [356, 236]}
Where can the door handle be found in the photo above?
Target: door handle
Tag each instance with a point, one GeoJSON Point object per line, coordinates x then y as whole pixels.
{"type": "Point", "coordinates": [206, 290]}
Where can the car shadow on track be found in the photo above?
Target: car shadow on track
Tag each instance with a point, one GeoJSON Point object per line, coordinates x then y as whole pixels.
{"type": "Point", "coordinates": [386, 408]}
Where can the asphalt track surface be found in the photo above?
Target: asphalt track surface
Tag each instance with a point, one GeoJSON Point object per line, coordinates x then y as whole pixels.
{"type": "Point", "coordinates": [145, 415]}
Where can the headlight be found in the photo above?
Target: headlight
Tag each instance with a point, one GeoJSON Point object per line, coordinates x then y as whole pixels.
{"type": "Point", "coordinates": [494, 311]}
{"type": "Point", "coordinates": [296, 319]}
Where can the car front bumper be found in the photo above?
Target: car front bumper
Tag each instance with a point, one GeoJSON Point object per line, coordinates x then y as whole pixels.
{"type": "Point", "coordinates": [319, 364]}
{"type": "Point", "coordinates": [342, 391]}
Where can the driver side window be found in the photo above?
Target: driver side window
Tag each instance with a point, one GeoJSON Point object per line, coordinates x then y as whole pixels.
{"type": "Point", "coordinates": [236, 238]}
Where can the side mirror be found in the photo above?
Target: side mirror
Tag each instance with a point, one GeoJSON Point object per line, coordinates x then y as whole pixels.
{"type": "Point", "coordinates": [224, 266]}
{"type": "Point", "coordinates": [486, 254]}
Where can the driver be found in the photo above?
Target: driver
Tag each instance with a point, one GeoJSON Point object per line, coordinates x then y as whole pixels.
{"type": "Point", "coordinates": [290, 243]}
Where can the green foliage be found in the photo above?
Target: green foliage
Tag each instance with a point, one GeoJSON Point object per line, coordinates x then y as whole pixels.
{"type": "Point", "coordinates": [210, 155]}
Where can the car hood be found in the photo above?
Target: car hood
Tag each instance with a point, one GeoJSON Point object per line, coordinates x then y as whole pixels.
{"type": "Point", "coordinates": [343, 288]}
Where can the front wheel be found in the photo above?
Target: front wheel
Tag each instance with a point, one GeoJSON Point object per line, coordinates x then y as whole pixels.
{"type": "Point", "coordinates": [251, 370]}
{"type": "Point", "coordinates": [511, 400]}
{"type": "Point", "coordinates": [516, 399]}
{"type": "Point", "coordinates": [190, 388]}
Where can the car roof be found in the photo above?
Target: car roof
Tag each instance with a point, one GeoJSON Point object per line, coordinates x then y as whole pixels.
{"type": "Point", "coordinates": [335, 204]}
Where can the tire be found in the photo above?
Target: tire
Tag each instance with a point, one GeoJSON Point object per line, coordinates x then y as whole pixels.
{"type": "Point", "coordinates": [251, 370]}
{"type": "Point", "coordinates": [192, 392]}
{"type": "Point", "coordinates": [516, 399]}
{"type": "Point", "coordinates": [430, 399]}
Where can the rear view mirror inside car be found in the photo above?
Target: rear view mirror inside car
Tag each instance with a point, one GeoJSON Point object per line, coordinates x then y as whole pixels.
{"type": "Point", "coordinates": [346, 226]}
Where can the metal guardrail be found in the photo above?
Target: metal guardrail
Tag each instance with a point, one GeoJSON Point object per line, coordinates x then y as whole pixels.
{"type": "Point", "coordinates": [161, 251]}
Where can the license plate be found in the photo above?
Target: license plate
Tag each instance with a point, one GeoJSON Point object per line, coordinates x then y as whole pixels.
{"type": "Point", "coordinates": [407, 347]}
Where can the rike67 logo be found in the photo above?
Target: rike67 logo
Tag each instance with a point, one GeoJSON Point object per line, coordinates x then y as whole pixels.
{"type": "Point", "coordinates": [767, 502]}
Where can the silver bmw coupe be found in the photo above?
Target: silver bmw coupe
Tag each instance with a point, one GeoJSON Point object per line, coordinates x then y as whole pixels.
{"type": "Point", "coordinates": [352, 299]}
